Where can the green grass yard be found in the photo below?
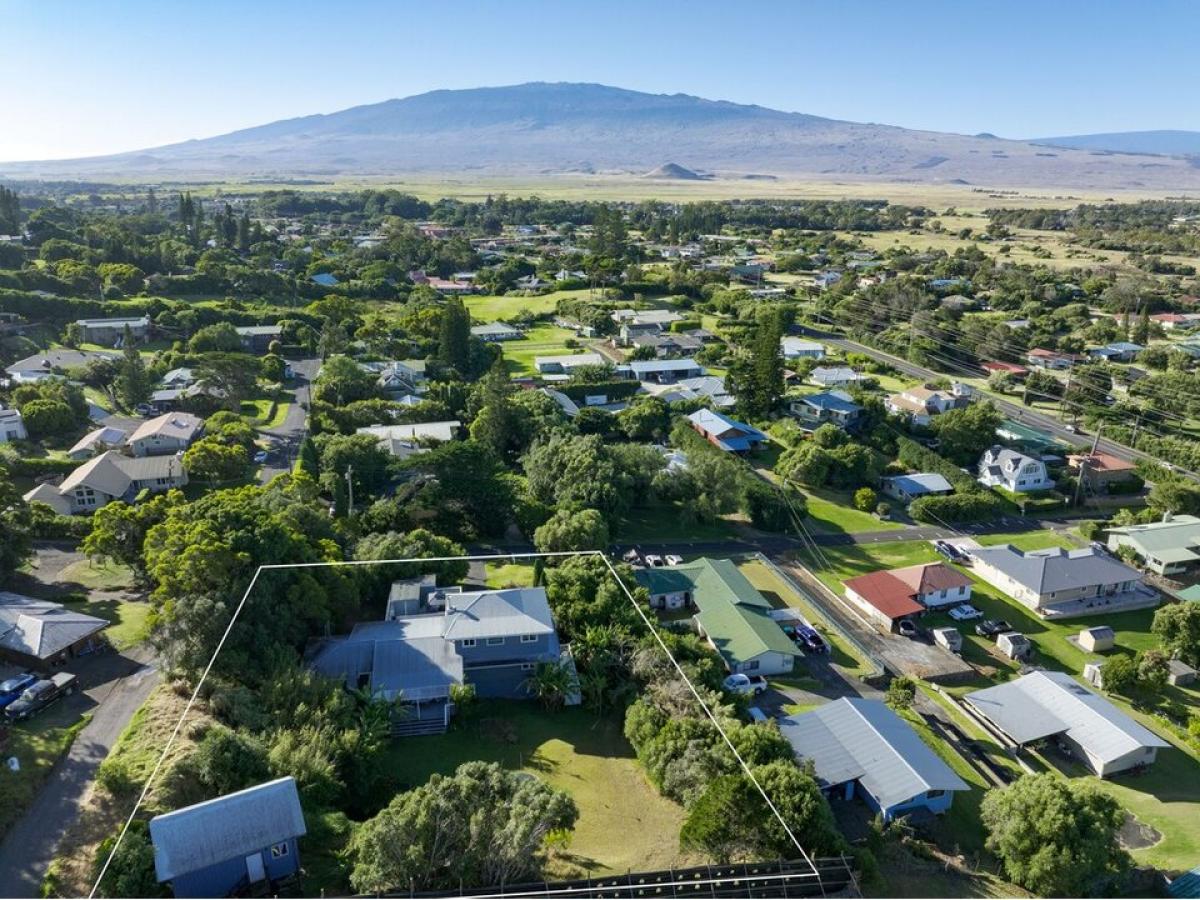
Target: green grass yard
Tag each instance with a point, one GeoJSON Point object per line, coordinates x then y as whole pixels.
{"type": "Point", "coordinates": [96, 576]}
{"type": "Point", "coordinates": [624, 824]}
{"type": "Point", "coordinates": [833, 512]}
{"type": "Point", "coordinates": [505, 575]}
{"type": "Point", "coordinates": [489, 308]}
{"type": "Point", "coordinates": [541, 340]}
{"type": "Point", "coordinates": [130, 619]}
{"type": "Point", "coordinates": [665, 522]}
{"type": "Point", "coordinates": [37, 746]}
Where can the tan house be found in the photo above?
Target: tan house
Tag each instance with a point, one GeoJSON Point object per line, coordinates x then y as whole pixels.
{"type": "Point", "coordinates": [108, 477]}
{"type": "Point", "coordinates": [169, 433]}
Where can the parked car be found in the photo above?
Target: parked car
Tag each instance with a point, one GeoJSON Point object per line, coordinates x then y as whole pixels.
{"type": "Point", "coordinates": [946, 550]}
{"type": "Point", "coordinates": [11, 689]}
{"type": "Point", "coordinates": [672, 560]}
{"type": "Point", "coordinates": [41, 694]}
{"type": "Point", "coordinates": [261, 457]}
{"type": "Point", "coordinates": [908, 628]}
{"type": "Point", "coordinates": [992, 628]}
{"type": "Point", "coordinates": [653, 560]}
{"type": "Point", "coordinates": [965, 613]}
{"type": "Point", "coordinates": [145, 410]}
{"type": "Point", "coordinates": [745, 684]}
{"type": "Point", "coordinates": [632, 557]}
{"type": "Point", "coordinates": [808, 640]}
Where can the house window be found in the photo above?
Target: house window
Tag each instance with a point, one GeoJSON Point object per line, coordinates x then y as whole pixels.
{"type": "Point", "coordinates": [932, 795]}
{"type": "Point", "coordinates": [528, 638]}
{"type": "Point", "coordinates": [751, 666]}
{"type": "Point", "coordinates": [467, 642]}
{"type": "Point", "coordinates": [279, 851]}
{"type": "Point", "coordinates": [492, 642]}
{"type": "Point", "coordinates": [528, 667]}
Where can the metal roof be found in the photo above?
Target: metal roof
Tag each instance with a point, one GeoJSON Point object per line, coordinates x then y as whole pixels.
{"type": "Point", "coordinates": [1042, 704]}
{"type": "Point", "coordinates": [923, 483]}
{"type": "Point", "coordinates": [1056, 569]}
{"type": "Point", "coordinates": [226, 828]}
{"type": "Point", "coordinates": [852, 739]}
{"type": "Point", "coordinates": [40, 628]}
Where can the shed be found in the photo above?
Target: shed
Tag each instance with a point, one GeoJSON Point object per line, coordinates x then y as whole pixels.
{"type": "Point", "coordinates": [1014, 645]}
{"type": "Point", "coordinates": [1093, 673]}
{"type": "Point", "coordinates": [1097, 638]}
{"type": "Point", "coordinates": [1180, 673]}
{"type": "Point", "coordinates": [948, 637]}
{"type": "Point", "coordinates": [228, 844]}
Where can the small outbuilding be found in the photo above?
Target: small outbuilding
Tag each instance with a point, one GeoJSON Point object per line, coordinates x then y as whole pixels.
{"type": "Point", "coordinates": [1180, 673]}
{"type": "Point", "coordinates": [1014, 645]}
{"type": "Point", "coordinates": [1097, 639]}
{"type": "Point", "coordinates": [948, 637]}
{"type": "Point", "coordinates": [240, 843]}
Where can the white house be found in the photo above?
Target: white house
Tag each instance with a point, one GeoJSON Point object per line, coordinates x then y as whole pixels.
{"type": "Point", "coordinates": [169, 433]}
{"type": "Point", "coordinates": [796, 348]}
{"type": "Point", "coordinates": [413, 438]}
{"type": "Point", "coordinates": [108, 477]}
{"type": "Point", "coordinates": [921, 404]}
{"type": "Point", "coordinates": [1013, 471]}
{"type": "Point", "coordinates": [12, 426]}
{"type": "Point", "coordinates": [907, 488]}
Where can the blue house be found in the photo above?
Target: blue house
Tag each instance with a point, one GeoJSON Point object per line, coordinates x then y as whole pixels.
{"type": "Point", "coordinates": [861, 747]}
{"type": "Point", "coordinates": [435, 638]}
{"type": "Point", "coordinates": [835, 407]}
{"type": "Point", "coordinates": [230, 844]}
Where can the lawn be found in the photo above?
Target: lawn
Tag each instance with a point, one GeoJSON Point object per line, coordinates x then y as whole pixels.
{"type": "Point", "coordinates": [833, 512]}
{"type": "Point", "coordinates": [130, 619]}
{"type": "Point", "coordinates": [489, 308]}
{"type": "Point", "coordinates": [624, 824]}
{"type": "Point", "coordinates": [37, 746]}
{"type": "Point", "coordinates": [542, 340]}
{"type": "Point", "coordinates": [1033, 540]}
{"type": "Point", "coordinates": [858, 559]}
{"type": "Point", "coordinates": [97, 576]}
{"type": "Point", "coordinates": [661, 522]}
{"type": "Point", "coordinates": [782, 596]}
{"type": "Point", "coordinates": [505, 575]}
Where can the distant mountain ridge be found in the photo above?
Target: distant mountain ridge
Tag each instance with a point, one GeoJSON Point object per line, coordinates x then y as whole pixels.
{"type": "Point", "coordinates": [547, 129]}
{"type": "Point", "coordinates": [1162, 142]}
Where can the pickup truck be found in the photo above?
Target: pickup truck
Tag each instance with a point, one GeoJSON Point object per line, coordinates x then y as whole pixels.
{"type": "Point", "coordinates": [40, 695]}
{"type": "Point", "coordinates": [745, 684]}
{"type": "Point", "coordinates": [11, 689]}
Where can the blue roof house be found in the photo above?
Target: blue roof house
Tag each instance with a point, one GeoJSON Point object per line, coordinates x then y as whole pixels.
{"type": "Point", "coordinates": [230, 844]}
{"type": "Point", "coordinates": [436, 638]}
{"type": "Point", "coordinates": [836, 407]}
{"type": "Point", "coordinates": [861, 747]}
{"type": "Point", "coordinates": [726, 433]}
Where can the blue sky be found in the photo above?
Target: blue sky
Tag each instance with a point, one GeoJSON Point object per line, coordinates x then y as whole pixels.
{"type": "Point", "coordinates": [96, 76]}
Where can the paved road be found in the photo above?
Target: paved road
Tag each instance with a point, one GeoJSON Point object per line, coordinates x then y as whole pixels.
{"type": "Point", "coordinates": [1016, 411]}
{"type": "Point", "coordinates": [286, 437]}
{"type": "Point", "coordinates": [29, 846]}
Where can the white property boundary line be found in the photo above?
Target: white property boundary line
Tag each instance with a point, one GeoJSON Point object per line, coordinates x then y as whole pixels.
{"type": "Point", "coordinates": [433, 559]}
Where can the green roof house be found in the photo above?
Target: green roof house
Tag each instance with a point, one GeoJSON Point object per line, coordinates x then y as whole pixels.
{"type": "Point", "coordinates": [733, 616]}
{"type": "Point", "coordinates": [1168, 547]}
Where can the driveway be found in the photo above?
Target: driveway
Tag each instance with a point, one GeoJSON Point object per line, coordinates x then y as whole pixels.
{"type": "Point", "coordinates": [285, 438]}
{"type": "Point", "coordinates": [117, 686]}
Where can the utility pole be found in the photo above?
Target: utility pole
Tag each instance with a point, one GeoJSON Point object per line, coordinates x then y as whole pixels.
{"type": "Point", "coordinates": [1084, 463]}
{"type": "Point", "coordinates": [349, 490]}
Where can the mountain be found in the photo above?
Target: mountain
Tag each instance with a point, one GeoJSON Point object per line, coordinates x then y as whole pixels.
{"type": "Point", "coordinates": [675, 171]}
{"type": "Point", "coordinates": [1167, 143]}
{"type": "Point", "coordinates": [548, 129]}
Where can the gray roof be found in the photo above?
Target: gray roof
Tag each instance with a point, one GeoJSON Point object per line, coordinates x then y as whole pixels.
{"type": "Point", "coordinates": [922, 483]}
{"type": "Point", "coordinates": [226, 828]}
{"type": "Point", "coordinates": [506, 613]}
{"type": "Point", "coordinates": [1042, 704]}
{"type": "Point", "coordinates": [663, 365]}
{"type": "Point", "coordinates": [258, 330]}
{"type": "Point", "coordinates": [865, 741]}
{"type": "Point", "coordinates": [494, 328]}
{"type": "Point", "coordinates": [1056, 569]}
{"type": "Point", "coordinates": [40, 628]}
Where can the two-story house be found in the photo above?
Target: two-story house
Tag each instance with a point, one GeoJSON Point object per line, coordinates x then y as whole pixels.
{"type": "Point", "coordinates": [108, 477]}
{"type": "Point", "coordinates": [491, 639]}
{"type": "Point", "coordinates": [836, 407]}
{"type": "Point", "coordinates": [169, 433]}
{"type": "Point", "coordinates": [1013, 471]}
{"type": "Point", "coordinates": [920, 404]}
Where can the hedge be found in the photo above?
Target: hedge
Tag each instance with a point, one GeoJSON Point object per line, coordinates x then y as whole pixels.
{"type": "Point", "coordinates": [37, 466]}
{"type": "Point", "coordinates": [970, 506]}
{"type": "Point", "coordinates": [922, 459]}
{"type": "Point", "coordinates": [614, 390]}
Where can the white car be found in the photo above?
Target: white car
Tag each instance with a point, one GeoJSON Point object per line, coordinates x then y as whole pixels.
{"type": "Point", "coordinates": [745, 684]}
{"type": "Point", "coordinates": [653, 561]}
{"type": "Point", "coordinates": [965, 613]}
{"type": "Point", "coordinates": [672, 560]}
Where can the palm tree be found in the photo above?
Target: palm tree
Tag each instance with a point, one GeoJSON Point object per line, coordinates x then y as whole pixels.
{"type": "Point", "coordinates": [552, 683]}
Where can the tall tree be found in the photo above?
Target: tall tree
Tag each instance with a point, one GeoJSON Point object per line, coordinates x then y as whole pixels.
{"type": "Point", "coordinates": [454, 339]}
{"type": "Point", "coordinates": [132, 384]}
